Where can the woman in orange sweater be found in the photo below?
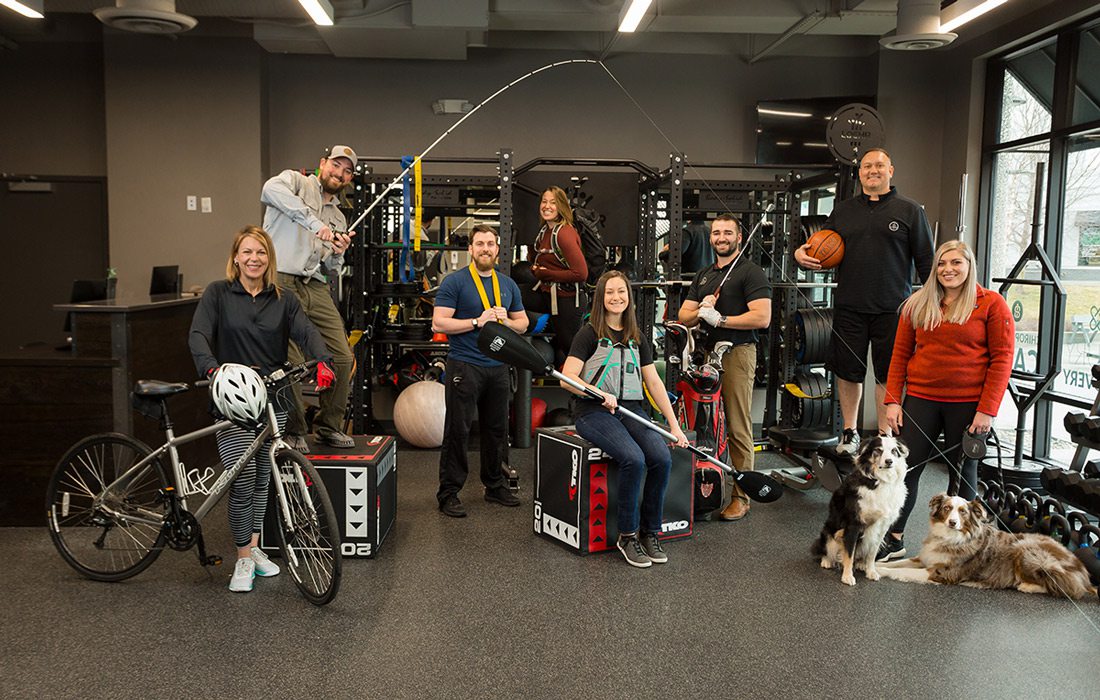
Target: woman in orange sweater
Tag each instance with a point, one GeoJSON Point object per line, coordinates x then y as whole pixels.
{"type": "Point", "coordinates": [561, 270]}
{"type": "Point", "coordinates": [953, 357]}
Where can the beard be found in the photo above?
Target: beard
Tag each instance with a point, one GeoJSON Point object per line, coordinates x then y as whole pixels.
{"type": "Point", "coordinates": [484, 264]}
{"type": "Point", "coordinates": [329, 189]}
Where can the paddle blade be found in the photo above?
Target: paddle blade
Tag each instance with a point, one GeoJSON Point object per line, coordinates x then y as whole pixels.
{"type": "Point", "coordinates": [759, 487]}
{"type": "Point", "coordinates": [501, 343]}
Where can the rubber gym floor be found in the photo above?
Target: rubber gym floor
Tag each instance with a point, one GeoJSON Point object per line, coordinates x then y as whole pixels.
{"type": "Point", "coordinates": [481, 607]}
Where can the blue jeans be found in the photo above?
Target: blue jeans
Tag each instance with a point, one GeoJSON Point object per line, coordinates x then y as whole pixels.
{"type": "Point", "coordinates": [640, 453]}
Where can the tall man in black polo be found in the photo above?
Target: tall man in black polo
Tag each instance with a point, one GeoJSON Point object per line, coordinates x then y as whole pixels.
{"type": "Point", "coordinates": [476, 384]}
{"type": "Point", "coordinates": [736, 310]}
{"type": "Point", "coordinates": [884, 235]}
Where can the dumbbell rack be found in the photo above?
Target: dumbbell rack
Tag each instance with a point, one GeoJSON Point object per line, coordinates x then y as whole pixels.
{"type": "Point", "coordinates": [1079, 485]}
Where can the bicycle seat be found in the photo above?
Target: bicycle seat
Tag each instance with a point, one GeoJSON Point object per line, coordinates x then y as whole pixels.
{"type": "Point", "coordinates": [155, 387]}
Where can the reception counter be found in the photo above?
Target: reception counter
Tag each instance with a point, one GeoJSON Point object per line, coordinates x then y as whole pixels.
{"type": "Point", "coordinates": [52, 398]}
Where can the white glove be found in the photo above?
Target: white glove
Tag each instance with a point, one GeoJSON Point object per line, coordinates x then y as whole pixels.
{"type": "Point", "coordinates": [710, 315]}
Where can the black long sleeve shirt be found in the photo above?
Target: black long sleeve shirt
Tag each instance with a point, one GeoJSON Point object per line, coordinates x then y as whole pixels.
{"type": "Point", "coordinates": [230, 325]}
{"type": "Point", "coordinates": [883, 239]}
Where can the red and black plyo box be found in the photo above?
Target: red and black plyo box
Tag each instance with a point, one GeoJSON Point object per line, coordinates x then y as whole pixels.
{"type": "Point", "coordinates": [575, 493]}
{"type": "Point", "coordinates": [362, 485]}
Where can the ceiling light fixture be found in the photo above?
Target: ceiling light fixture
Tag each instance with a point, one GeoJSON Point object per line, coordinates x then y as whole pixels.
{"type": "Point", "coordinates": [965, 16]}
{"type": "Point", "coordinates": [783, 113]}
{"type": "Point", "coordinates": [27, 8]}
{"type": "Point", "coordinates": [632, 14]}
{"type": "Point", "coordinates": [320, 11]}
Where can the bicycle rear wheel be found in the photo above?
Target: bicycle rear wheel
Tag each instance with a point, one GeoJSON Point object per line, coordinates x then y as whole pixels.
{"type": "Point", "coordinates": [106, 536]}
{"type": "Point", "coordinates": [310, 542]}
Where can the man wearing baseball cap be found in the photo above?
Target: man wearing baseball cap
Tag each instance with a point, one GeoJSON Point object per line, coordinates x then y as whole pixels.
{"type": "Point", "coordinates": [309, 231]}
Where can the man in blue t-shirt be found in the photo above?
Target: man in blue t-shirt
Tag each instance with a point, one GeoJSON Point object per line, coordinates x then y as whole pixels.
{"type": "Point", "coordinates": [466, 301]}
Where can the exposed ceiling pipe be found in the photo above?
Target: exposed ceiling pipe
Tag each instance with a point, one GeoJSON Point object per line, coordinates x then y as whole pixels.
{"type": "Point", "coordinates": [800, 27]}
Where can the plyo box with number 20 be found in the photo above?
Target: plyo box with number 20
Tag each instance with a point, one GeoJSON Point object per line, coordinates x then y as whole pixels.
{"type": "Point", "coordinates": [362, 485]}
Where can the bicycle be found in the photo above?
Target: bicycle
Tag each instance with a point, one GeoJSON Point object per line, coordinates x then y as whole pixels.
{"type": "Point", "coordinates": [112, 507]}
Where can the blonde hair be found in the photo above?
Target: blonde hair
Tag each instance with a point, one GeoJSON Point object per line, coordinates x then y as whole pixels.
{"type": "Point", "coordinates": [922, 308]}
{"type": "Point", "coordinates": [565, 212]}
{"type": "Point", "coordinates": [232, 273]}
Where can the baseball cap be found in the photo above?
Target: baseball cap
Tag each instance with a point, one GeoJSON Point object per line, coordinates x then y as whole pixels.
{"type": "Point", "coordinates": [343, 152]}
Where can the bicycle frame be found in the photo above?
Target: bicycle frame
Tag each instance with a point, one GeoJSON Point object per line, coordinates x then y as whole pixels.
{"type": "Point", "coordinates": [217, 491]}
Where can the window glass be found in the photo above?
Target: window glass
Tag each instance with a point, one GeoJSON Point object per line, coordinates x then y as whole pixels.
{"type": "Point", "coordinates": [1086, 93]}
{"type": "Point", "coordinates": [1012, 203]}
{"type": "Point", "coordinates": [1028, 93]}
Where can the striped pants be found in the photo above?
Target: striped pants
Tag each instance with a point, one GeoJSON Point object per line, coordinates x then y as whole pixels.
{"type": "Point", "coordinates": [248, 493]}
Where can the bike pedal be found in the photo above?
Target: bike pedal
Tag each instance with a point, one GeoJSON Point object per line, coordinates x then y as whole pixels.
{"type": "Point", "coordinates": [213, 560]}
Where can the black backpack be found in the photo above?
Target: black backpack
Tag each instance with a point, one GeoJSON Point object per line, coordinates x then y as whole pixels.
{"type": "Point", "coordinates": [587, 222]}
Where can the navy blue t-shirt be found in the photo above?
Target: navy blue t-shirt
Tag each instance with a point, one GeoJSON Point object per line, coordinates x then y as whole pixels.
{"type": "Point", "coordinates": [457, 291]}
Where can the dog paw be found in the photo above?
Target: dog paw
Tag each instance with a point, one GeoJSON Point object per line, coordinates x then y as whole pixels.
{"type": "Point", "coordinates": [826, 563]}
{"type": "Point", "coordinates": [849, 579]}
{"type": "Point", "coordinates": [873, 574]}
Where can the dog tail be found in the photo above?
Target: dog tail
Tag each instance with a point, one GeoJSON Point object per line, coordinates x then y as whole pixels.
{"type": "Point", "coordinates": [1060, 572]}
{"type": "Point", "coordinates": [818, 547]}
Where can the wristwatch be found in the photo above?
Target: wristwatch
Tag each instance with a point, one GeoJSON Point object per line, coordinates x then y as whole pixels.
{"type": "Point", "coordinates": [475, 323]}
{"type": "Point", "coordinates": [721, 321]}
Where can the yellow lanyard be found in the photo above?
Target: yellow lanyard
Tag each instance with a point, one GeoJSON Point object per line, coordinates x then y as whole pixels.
{"type": "Point", "coordinates": [481, 288]}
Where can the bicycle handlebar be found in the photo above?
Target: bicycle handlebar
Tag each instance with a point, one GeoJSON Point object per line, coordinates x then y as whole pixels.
{"type": "Point", "coordinates": [281, 375]}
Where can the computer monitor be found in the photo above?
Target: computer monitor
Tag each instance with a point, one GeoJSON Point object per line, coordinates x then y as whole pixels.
{"type": "Point", "coordinates": [165, 280]}
{"type": "Point", "coordinates": [85, 290]}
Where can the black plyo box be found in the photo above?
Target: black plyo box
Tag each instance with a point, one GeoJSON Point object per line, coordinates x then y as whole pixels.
{"type": "Point", "coordinates": [362, 485]}
{"type": "Point", "coordinates": [575, 493]}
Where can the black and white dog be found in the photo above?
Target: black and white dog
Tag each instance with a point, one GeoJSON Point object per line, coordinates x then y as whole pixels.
{"type": "Point", "coordinates": [863, 509]}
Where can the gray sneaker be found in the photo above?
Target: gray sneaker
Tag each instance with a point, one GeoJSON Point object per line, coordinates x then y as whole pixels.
{"type": "Point", "coordinates": [652, 546]}
{"type": "Point", "coordinates": [849, 442]}
{"type": "Point", "coordinates": [633, 552]}
{"type": "Point", "coordinates": [297, 443]}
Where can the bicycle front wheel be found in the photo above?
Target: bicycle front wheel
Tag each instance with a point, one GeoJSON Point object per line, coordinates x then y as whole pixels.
{"type": "Point", "coordinates": [310, 541]}
{"type": "Point", "coordinates": [107, 535]}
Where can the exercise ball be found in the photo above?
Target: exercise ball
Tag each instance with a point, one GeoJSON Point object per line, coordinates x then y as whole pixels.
{"type": "Point", "coordinates": [538, 414]}
{"type": "Point", "coordinates": [419, 413]}
{"type": "Point", "coordinates": [558, 417]}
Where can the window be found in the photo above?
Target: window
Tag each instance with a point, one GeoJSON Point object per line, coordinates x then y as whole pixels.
{"type": "Point", "coordinates": [1042, 161]}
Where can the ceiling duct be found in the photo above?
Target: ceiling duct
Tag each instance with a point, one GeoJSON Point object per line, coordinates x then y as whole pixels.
{"type": "Point", "coordinates": [145, 17]}
{"type": "Point", "coordinates": [918, 27]}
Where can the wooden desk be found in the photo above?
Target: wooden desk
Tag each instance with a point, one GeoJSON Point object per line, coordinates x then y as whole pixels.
{"type": "Point", "coordinates": [54, 398]}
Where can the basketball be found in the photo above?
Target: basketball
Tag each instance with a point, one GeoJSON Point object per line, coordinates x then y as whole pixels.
{"type": "Point", "coordinates": [827, 246]}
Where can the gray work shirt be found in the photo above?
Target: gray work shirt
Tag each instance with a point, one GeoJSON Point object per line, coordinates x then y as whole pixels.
{"type": "Point", "coordinates": [295, 212]}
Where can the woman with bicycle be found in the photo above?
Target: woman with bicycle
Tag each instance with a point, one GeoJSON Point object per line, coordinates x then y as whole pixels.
{"type": "Point", "coordinates": [245, 319]}
{"type": "Point", "coordinates": [610, 355]}
{"type": "Point", "coordinates": [953, 358]}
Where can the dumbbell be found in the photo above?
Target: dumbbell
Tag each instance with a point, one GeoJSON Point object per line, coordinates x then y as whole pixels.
{"type": "Point", "coordinates": [1072, 423]}
{"type": "Point", "coordinates": [1090, 536]}
{"type": "Point", "coordinates": [1053, 479]}
{"type": "Point", "coordinates": [1092, 469]}
{"type": "Point", "coordinates": [1090, 429]}
{"type": "Point", "coordinates": [1073, 489]}
{"type": "Point", "coordinates": [1050, 507]}
{"type": "Point", "coordinates": [1091, 498]}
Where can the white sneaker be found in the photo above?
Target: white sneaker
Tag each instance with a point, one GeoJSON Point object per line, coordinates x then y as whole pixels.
{"type": "Point", "coordinates": [849, 442]}
{"type": "Point", "coordinates": [243, 573]}
{"type": "Point", "coordinates": [264, 566]}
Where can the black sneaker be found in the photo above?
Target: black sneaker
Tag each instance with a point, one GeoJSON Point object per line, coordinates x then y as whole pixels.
{"type": "Point", "coordinates": [652, 546]}
{"type": "Point", "coordinates": [891, 549]}
{"type": "Point", "coordinates": [502, 495]}
{"type": "Point", "coordinates": [452, 506]}
{"type": "Point", "coordinates": [633, 552]}
{"type": "Point", "coordinates": [849, 442]}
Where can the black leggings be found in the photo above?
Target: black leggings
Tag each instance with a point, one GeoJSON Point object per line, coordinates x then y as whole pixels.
{"type": "Point", "coordinates": [923, 421]}
{"type": "Point", "coordinates": [565, 324]}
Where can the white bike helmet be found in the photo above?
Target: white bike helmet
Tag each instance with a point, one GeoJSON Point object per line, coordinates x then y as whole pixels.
{"type": "Point", "coordinates": [239, 394]}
